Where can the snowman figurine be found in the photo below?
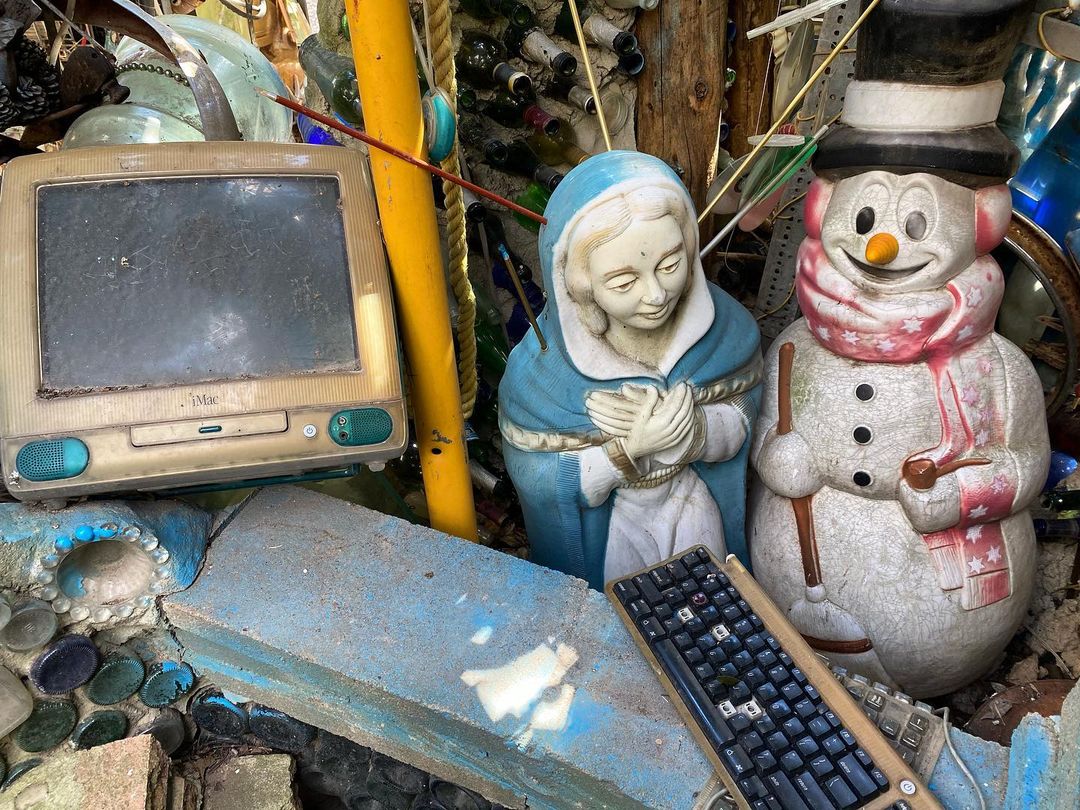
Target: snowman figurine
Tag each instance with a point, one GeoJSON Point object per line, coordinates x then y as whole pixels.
{"type": "Point", "coordinates": [901, 439]}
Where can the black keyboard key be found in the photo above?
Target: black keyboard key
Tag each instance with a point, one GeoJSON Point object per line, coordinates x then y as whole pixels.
{"type": "Point", "coordinates": [846, 736]}
{"type": "Point", "coordinates": [652, 629]}
{"type": "Point", "coordinates": [778, 674]}
{"type": "Point", "coordinates": [841, 794]}
{"type": "Point", "coordinates": [774, 645]}
{"type": "Point", "coordinates": [832, 719]}
{"type": "Point", "coordinates": [662, 578]}
{"type": "Point", "coordinates": [740, 693]}
{"type": "Point", "coordinates": [682, 640]}
{"type": "Point", "coordinates": [728, 671]}
{"type": "Point", "coordinates": [881, 779]}
{"type": "Point", "coordinates": [821, 766]}
{"type": "Point", "coordinates": [662, 612]}
{"type": "Point", "coordinates": [765, 761]}
{"type": "Point", "coordinates": [779, 709]}
{"type": "Point", "coordinates": [738, 722]}
{"type": "Point", "coordinates": [639, 609]}
{"type": "Point", "coordinates": [648, 589]}
{"type": "Point", "coordinates": [890, 728]}
{"type": "Point", "coordinates": [754, 678]}
{"type": "Point", "coordinates": [697, 701]}
{"type": "Point", "coordinates": [732, 613]}
{"type": "Point", "coordinates": [742, 627]}
{"type": "Point", "coordinates": [833, 745]}
{"type": "Point", "coordinates": [751, 741]}
{"type": "Point", "coordinates": [690, 560]}
{"type": "Point", "coordinates": [919, 722]}
{"type": "Point", "coordinates": [766, 804]}
{"type": "Point", "coordinates": [704, 672]}
{"type": "Point", "coordinates": [710, 615]}
{"type": "Point", "coordinates": [819, 727]}
{"type": "Point", "coordinates": [736, 760]}
{"type": "Point", "coordinates": [721, 599]}
{"type": "Point", "coordinates": [766, 658]}
{"type": "Point", "coordinates": [687, 587]}
{"type": "Point", "coordinates": [693, 656]}
{"type": "Point", "coordinates": [857, 776]}
{"type": "Point", "coordinates": [745, 607]}
{"type": "Point", "coordinates": [703, 556]}
{"type": "Point", "coordinates": [752, 788]}
{"type": "Point", "coordinates": [626, 591]}
{"type": "Point", "coordinates": [699, 571]}
{"type": "Point", "coordinates": [755, 643]}
{"type": "Point", "coordinates": [812, 693]}
{"type": "Point", "coordinates": [757, 622]}
{"type": "Point", "coordinates": [707, 642]}
{"type": "Point", "coordinates": [811, 792]}
{"type": "Point", "coordinates": [798, 675]}
{"type": "Point", "coordinates": [716, 690]}
{"type": "Point", "coordinates": [677, 570]}
{"type": "Point", "coordinates": [805, 708]}
{"type": "Point", "coordinates": [777, 742]}
{"type": "Point", "coordinates": [780, 786]}
{"type": "Point", "coordinates": [864, 758]}
{"type": "Point", "coordinates": [731, 644]}
{"type": "Point", "coordinates": [785, 659]}
{"type": "Point", "coordinates": [793, 727]}
{"type": "Point", "coordinates": [806, 746]}
{"type": "Point", "coordinates": [743, 660]}
{"type": "Point", "coordinates": [711, 585]}
{"type": "Point", "coordinates": [764, 726]}
{"type": "Point", "coordinates": [791, 761]}
{"type": "Point", "coordinates": [673, 596]}
{"type": "Point", "coordinates": [766, 693]}
{"type": "Point", "coordinates": [694, 627]}
{"type": "Point", "coordinates": [911, 739]}
{"type": "Point", "coordinates": [791, 691]}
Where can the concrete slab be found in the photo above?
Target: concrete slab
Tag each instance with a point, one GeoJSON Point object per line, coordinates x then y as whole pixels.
{"type": "Point", "coordinates": [259, 782]}
{"type": "Point", "coordinates": [131, 774]}
{"type": "Point", "coordinates": [493, 673]}
{"type": "Point", "coordinates": [1032, 755]}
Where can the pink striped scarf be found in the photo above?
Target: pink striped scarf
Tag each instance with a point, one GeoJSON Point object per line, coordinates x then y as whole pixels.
{"type": "Point", "coordinates": [948, 329]}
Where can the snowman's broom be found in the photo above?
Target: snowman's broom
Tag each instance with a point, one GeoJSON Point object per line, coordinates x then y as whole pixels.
{"type": "Point", "coordinates": [836, 630]}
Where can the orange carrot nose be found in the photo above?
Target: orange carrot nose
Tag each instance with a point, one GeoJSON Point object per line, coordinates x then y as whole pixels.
{"type": "Point", "coordinates": [882, 248]}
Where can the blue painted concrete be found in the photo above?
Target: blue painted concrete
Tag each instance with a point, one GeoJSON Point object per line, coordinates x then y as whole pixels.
{"type": "Point", "coordinates": [1066, 793]}
{"type": "Point", "coordinates": [28, 533]}
{"type": "Point", "coordinates": [1033, 754]}
{"type": "Point", "coordinates": [989, 764]}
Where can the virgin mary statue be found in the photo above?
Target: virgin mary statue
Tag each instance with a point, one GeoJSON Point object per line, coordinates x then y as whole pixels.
{"type": "Point", "coordinates": [627, 438]}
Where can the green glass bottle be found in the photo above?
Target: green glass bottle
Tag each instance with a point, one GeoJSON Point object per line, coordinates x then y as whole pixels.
{"type": "Point", "coordinates": [516, 12]}
{"type": "Point", "coordinates": [472, 133]}
{"type": "Point", "coordinates": [535, 197]}
{"type": "Point", "coordinates": [596, 27]}
{"type": "Point", "coordinates": [481, 61]}
{"type": "Point", "coordinates": [559, 148]}
{"type": "Point", "coordinates": [536, 46]}
{"type": "Point", "coordinates": [522, 160]}
{"type": "Point", "coordinates": [511, 111]}
{"type": "Point", "coordinates": [573, 94]}
{"type": "Point", "coordinates": [335, 76]}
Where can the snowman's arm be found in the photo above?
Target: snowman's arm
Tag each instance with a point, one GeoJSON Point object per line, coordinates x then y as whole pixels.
{"type": "Point", "coordinates": [1018, 468]}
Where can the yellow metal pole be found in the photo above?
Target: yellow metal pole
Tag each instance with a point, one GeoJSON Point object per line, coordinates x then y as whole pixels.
{"type": "Point", "coordinates": [381, 36]}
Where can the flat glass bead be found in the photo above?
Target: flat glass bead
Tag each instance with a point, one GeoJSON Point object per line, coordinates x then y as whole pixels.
{"type": "Point", "coordinates": [84, 533]}
{"type": "Point", "coordinates": [215, 714]}
{"type": "Point", "coordinates": [99, 728]}
{"type": "Point", "coordinates": [167, 727]}
{"type": "Point", "coordinates": [278, 730]}
{"type": "Point", "coordinates": [167, 682]}
{"type": "Point", "coordinates": [32, 624]}
{"type": "Point", "coordinates": [119, 678]}
{"type": "Point", "coordinates": [18, 769]}
{"type": "Point", "coordinates": [48, 725]}
{"type": "Point", "coordinates": [66, 664]}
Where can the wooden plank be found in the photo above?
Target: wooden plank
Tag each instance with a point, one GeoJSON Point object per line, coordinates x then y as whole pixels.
{"type": "Point", "coordinates": [681, 90]}
{"type": "Point", "coordinates": [750, 60]}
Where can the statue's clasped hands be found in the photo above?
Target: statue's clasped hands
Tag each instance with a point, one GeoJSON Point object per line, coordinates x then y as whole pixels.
{"type": "Point", "coordinates": [647, 421]}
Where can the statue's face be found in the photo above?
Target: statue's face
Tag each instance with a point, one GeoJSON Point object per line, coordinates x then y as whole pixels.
{"type": "Point", "coordinates": [899, 233]}
{"type": "Point", "coordinates": [639, 276]}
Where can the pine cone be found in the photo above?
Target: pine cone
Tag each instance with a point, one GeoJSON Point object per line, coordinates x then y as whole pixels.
{"type": "Point", "coordinates": [37, 91]}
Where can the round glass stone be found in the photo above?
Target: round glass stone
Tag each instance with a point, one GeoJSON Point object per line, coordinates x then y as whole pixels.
{"type": "Point", "coordinates": [49, 592]}
{"type": "Point", "coordinates": [106, 530]}
{"type": "Point", "coordinates": [79, 612]}
{"type": "Point", "coordinates": [61, 604]}
{"type": "Point", "coordinates": [119, 678]}
{"type": "Point", "coordinates": [99, 728]}
{"type": "Point", "coordinates": [149, 543]}
{"type": "Point", "coordinates": [45, 577]}
{"type": "Point", "coordinates": [33, 623]}
{"type": "Point", "coordinates": [160, 555]}
{"type": "Point", "coordinates": [278, 730]}
{"type": "Point", "coordinates": [18, 769]}
{"type": "Point", "coordinates": [132, 532]}
{"type": "Point", "coordinates": [48, 725]}
{"type": "Point", "coordinates": [64, 544]}
{"type": "Point", "coordinates": [167, 682]}
{"type": "Point", "coordinates": [50, 561]}
{"type": "Point", "coordinates": [167, 727]}
{"type": "Point", "coordinates": [123, 611]}
{"type": "Point", "coordinates": [215, 714]}
{"type": "Point", "coordinates": [66, 664]}
{"type": "Point", "coordinates": [84, 533]}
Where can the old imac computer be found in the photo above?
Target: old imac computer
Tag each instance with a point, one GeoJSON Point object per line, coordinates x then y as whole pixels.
{"type": "Point", "coordinates": [177, 315]}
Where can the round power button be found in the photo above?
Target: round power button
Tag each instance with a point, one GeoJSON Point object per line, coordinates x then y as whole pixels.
{"type": "Point", "coordinates": [310, 431]}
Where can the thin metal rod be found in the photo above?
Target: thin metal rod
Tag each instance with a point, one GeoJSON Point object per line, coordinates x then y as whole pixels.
{"type": "Point", "coordinates": [589, 73]}
{"type": "Point", "coordinates": [786, 114]}
{"type": "Point", "coordinates": [505, 254]}
{"type": "Point", "coordinates": [77, 28]}
{"type": "Point", "coordinates": [405, 156]}
{"type": "Point", "coordinates": [763, 194]}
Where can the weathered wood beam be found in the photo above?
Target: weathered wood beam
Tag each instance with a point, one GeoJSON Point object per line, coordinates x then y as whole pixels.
{"type": "Point", "coordinates": [750, 60]}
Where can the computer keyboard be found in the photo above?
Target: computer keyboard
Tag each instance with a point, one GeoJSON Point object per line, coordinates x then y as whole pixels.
{"type": "Point", "coordinates": [910, 726]}
{"type": "Point", "coordinates": [781, 731]}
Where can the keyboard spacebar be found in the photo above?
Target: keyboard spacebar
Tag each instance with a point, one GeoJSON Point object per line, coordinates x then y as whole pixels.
{"type": "Point", "coordinates": [710, 721]}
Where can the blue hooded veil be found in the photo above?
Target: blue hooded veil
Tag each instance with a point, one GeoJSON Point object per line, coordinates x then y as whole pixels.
{"type": "Point", "coordinates": [543, 392]}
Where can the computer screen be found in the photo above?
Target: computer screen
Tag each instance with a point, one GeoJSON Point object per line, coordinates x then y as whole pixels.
{"type": "Point", "coordinates": [153, 282]}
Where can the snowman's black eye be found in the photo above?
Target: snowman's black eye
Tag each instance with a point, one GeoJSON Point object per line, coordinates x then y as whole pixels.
{"type": "Point", "coordinates": [864, 220]}
{"type": "Point", "coordinates": [915, 225]}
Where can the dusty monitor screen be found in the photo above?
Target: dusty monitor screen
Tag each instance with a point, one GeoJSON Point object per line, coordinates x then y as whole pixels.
{"type": "Point", "coordinates": [169, 281]}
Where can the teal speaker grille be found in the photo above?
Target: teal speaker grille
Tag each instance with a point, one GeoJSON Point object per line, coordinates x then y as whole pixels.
{"type": "Point", "coordinates": [361, 426]}
{"type": "Point", "coordinates": [52, 459]}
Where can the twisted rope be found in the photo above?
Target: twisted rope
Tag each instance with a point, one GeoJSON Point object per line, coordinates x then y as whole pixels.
{"type": "Point", "coordinates": [442, 56]}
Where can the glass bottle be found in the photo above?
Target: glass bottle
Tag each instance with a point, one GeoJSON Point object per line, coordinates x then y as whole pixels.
{"type": "Point", "coordinates": [632, 62]}
{"type": "Point", "coordinates": [1063, 500]}
{"type": "Point", "coordinates": [538, 47]}
{"type": "Point", "coordinates": [558, 148]}
{"type": "Point", "coordinates": [481, 61]}
{"type": "Point", "coordinates": [517, 13]}
{"type": "Point", "coordinates": [523, 161]}
{"type": "Point", "coordinates": [335, 76]}
{"type": "Point", "coordinates": [311, 132]}
{"type": "Point", "coordinates": [535, 197]}
{"type": "Point", "coordinates": [511, 111]}
{"type": "Point", "coordinates": [597, 28]}
{"type": "Point", "coordinates": [473, 133]}
{"type": "Point", "coordinates": [573, 94]}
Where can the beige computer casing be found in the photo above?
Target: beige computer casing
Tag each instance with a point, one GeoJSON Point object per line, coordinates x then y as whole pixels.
{"type": "Point", "coordinates": [215, 432]}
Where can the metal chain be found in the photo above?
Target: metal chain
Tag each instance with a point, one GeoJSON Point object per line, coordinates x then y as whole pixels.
{"type": "Point", "coordinates": [158, 69]}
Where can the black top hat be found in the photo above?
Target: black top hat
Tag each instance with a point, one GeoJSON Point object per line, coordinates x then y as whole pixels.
{"type": "Point", "coordinates": [927, 91]}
